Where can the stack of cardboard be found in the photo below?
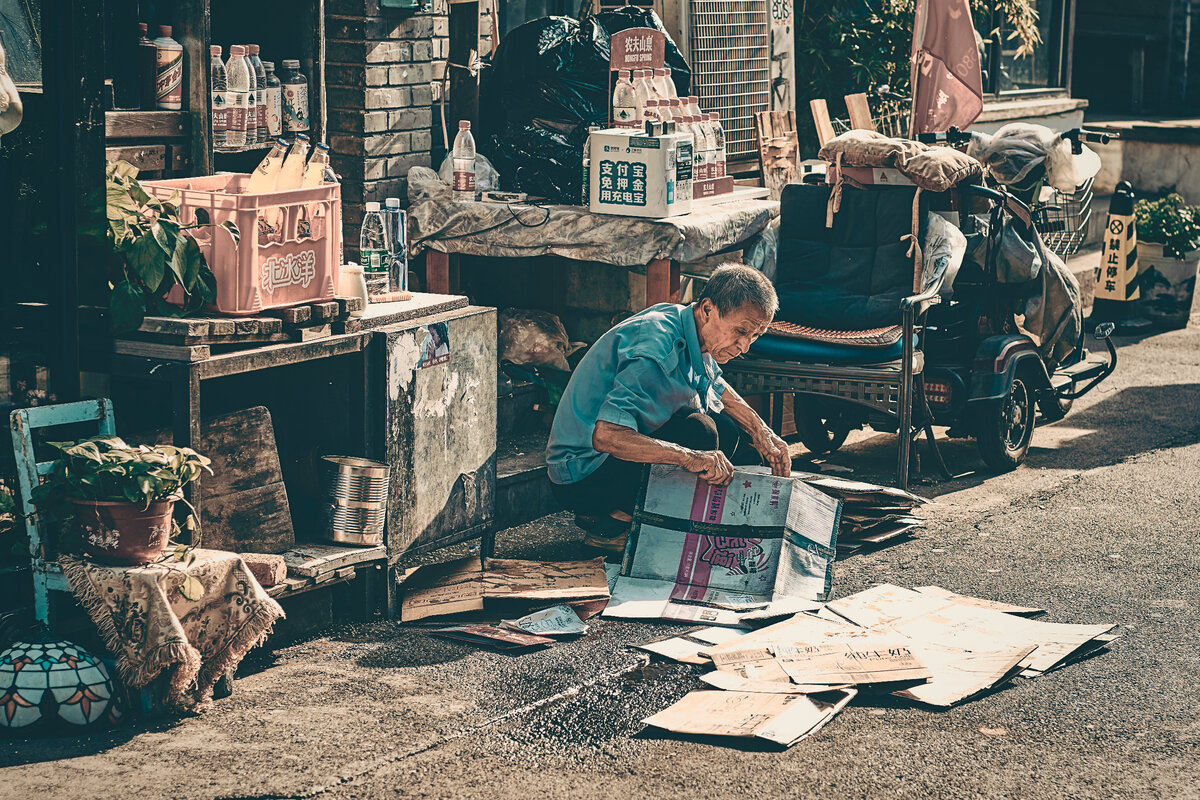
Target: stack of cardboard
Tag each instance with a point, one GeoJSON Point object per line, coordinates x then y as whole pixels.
{"type": "Point", "coordinates": [871, 514]}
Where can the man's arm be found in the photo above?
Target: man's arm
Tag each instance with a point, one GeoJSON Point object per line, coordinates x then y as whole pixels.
{"type": "Point", "coordinates": [769, 446]}
{"type": "Point", "coordinates": [629, 445]}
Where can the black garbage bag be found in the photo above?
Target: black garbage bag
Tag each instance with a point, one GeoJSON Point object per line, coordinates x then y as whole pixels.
{"type": "Point", "coordinates": [547, 83]}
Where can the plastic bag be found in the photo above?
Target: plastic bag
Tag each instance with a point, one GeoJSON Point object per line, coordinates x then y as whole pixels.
{"type": "Point", "coordinates": [942, 255]}
{"type": "Point", "coordinates": [534, 338]}
{"type": "Point", "coordinates": [1012, 152]}
{"type": "Point", "coordinates": [486, 177]}
{"type": "Point", "coordinates": [547, 83]}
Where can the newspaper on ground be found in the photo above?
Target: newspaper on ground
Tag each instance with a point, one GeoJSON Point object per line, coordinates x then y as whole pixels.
{"type": "Point", "coordinates": [467, 585]}
{"type": "Point", "coordinates": [784, 719]}
{"type": "Point", "coordinates": [554, 621]}
{"type": "Point", "coordinates": [713, 553]}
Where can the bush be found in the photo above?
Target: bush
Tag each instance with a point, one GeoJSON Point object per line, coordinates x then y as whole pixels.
{"type": "Point", "coordinates": [1170, 222]}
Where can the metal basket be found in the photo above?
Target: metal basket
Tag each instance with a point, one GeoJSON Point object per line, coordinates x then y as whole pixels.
{"type": "Point", "coordinates": [1064, 218]}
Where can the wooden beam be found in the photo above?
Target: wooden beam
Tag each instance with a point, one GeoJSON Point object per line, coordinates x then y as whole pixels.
{"type": "Point", "coordinates": [145, 125]}
{"type": "Point", "coordinates": [151, 157]}
{"type": "Point", "coordinates": [820, 112]}
{"type": "Point", "coordinates": [860, 112]}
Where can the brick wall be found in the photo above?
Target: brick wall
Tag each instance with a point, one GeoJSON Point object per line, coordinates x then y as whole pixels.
{"type": "Point", "coordinates": [383, 73]}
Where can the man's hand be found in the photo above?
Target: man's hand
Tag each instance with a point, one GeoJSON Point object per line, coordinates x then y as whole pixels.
{"type": "Point", "coordinates": [711, 465]}
{"type": "Point", "coordinates": [774, 451]}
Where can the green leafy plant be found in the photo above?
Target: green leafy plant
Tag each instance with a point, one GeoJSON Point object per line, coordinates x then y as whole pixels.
{"type": "Point", "coordinates": [1168, 221]}
{"type": "Point", "coordinates": [152, 254]}
{"type": "Point", "coordinates": [106, 468]}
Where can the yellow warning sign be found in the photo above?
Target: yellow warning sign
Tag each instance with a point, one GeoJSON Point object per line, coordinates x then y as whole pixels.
{"type": "Point", "coordinates": [1117, 275]}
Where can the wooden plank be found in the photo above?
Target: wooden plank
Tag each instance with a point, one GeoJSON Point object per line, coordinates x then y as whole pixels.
{"type": "Point", "coordinates": [246, 340]}
{"type": "Point", "coordinates": [278, 355]}
{"type": "Point", "coordinates": [860, 112]}
{"type": "Point", "coordinates": [317, 332]}
{"type": "Point", "coordinates": [348, 305]}
{"type": "Point", "coordinates": [221, 326]}
{"type": "Point", "coordinates": [145, 124]}
{"type": "Point", "coordinates": [147, 158]}
{"type": "Point", "coordinates": [820, 113]}
{"type": "Point", "coordinates": [269, 325]}
{"type": "Point", "coordinates": [257, 520]}
{"type": "Point", "coordinates": [347, 325]}
{"type": "Point", "coordinates": [295, 315]}
{"type": "Point", "coordinates": [311, 559]}
{"type": "Point", "coordinates": [379, 315]}
{"type": "Point", "coordinates": [245, 325]}
{"type": "Point", "coordinates": [324, 311]}
{"type": "Point", "coordinates": [195, 326]}
{"type": "Point", "coordinates": [165, 352]}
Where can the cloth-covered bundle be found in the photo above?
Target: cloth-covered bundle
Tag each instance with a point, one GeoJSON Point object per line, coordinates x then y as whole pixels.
{"type": "Point", "coordinates": [934, 169]}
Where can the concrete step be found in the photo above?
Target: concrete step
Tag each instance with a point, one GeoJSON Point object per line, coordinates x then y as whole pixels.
{"type": "Point", "coordinates": [522, 488]}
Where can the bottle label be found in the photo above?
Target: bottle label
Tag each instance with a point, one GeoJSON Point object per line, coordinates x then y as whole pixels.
{"type": "Point", "coordinates": [720, 167]}
{"type": "Point", "coordinates": [374, 262]}
{"type": "Point", "coordinates": [274, 110]}
{"type": "Point", "coordinates": [624, 116]}
{"type": "Point", "coordinates": [251, 112]}
{"type": "Point", "coordinates": [235, 104]}
{"type": "Point", "coordinates": [464, 180]}
{"type": "Point", "coordinates": [295, 106]}
{"type": "Point", "coordinates": [220, 114]}
{"type": "Point", "coordinates": [168, 83]}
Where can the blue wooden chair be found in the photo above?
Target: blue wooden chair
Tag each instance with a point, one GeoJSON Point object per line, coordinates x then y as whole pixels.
{"type": "Point", "coordinates": [47, 575]}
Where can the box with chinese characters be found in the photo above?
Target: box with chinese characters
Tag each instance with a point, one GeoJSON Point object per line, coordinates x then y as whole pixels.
{"type": "Point", "coordinates": [635, 175]}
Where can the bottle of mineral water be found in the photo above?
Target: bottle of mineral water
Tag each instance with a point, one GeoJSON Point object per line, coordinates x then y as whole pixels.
{"type": "Point", "coordinates": [714, 119]}
{"type": "Point", "coordinates": [274, 100]}
{"type": "Point", "coordinates": [252, 100]}
{"type": "Point", "coordinates": [237, 96]}
{"type": "Point", "coordinates": [372, 251]}
{"type": "Point", "coordinates": [220, 115]}
{"type": "Point", "coordinates": [664, 84]}
{"type": "Point", "coordinates": [624, 101]}
{"type": "Point", "coordinates": [463, 154]}
{"type": "Point", "coordinates": [644, 91]}
{"type": "Point", "coordinates": [396, 221]}
{"type": "Point", "coordinates": [262, 135]}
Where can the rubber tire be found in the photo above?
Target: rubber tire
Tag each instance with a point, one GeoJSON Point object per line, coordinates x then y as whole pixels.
{"type": "Point", "coordinates": [1055, 408]}
{"type": "Point", "coordinates": [999, 449]}
{"type": "Point", "coordinates": [817, 431]}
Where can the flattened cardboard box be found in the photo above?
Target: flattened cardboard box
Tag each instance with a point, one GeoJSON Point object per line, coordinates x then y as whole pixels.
{"type": "Point", "coordinates": [711, 553]}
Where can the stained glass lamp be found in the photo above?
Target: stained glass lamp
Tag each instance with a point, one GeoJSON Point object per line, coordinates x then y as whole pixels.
{"type": "Point", "coordinates": [45, 681]}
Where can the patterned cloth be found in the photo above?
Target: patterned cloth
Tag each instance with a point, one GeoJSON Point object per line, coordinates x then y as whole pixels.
{"type": "Point", "coordinates": [519, 230]}
{"type": "Point", "coordinates": [151, 627]}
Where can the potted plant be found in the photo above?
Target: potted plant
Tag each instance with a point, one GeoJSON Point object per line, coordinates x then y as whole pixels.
{"type": "Point", "coordinates": [121, 497]}
{"type": "Point", "coordinates": [1168, 232]}
{"type": "Point", "coordinates": [151, 253]}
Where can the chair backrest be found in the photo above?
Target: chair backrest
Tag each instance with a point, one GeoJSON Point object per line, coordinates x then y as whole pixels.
{"type": "Point", "coordinates": [24, 421]}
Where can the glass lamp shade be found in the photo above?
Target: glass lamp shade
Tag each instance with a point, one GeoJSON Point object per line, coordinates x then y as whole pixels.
{"type": "Point", "coordinates": [46, 681]}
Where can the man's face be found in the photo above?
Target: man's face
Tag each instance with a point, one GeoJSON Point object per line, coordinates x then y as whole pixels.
{"type": "Point", "coordinates": [727, 336]}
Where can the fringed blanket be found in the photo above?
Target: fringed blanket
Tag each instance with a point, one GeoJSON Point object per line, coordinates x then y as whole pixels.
{"type": "Point", "coordinates": [153, 622]}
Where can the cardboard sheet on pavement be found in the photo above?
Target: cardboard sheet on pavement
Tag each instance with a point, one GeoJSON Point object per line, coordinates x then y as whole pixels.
{"type": "Point", "coordinates": [466, 585]}
{"type": "Point", "coordinates": [979, 602]}
{"type": "Point", "coordinates": [710, 553]}
{"type": "Point", "coordinates": [492, 636]}
{"type": "Point", "coordinates": [687, 647]}
{"type": "Point", "coordinates": [780, 718]}
{"type": "Point", "coordinates": [873, 660]}
{"type": "Point", "coordinates": [957, 675]}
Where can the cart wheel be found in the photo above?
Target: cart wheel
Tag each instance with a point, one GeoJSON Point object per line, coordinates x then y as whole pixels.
{"type": "Point", "coordinates": [819, 430]}
{"type": "Point", "coordinates": [1054, 408]}
{"type": "Point", "coordinates": [1007, 428]}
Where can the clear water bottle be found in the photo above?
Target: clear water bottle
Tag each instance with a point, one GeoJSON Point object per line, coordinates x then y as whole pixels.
{"type": "Point", "coordinates": [220, 115]}
{"type": "Point", "coordinates": [262, 135]}
{"type": "Point", "coordinates": [463, 155]}
{"type": "Point", "coordinates": [714, 119]}
{"type": "Point", "coordinates": [396, 221]}
{"type": "Point", "coordinates": [664, 84]}
{"type": "Point", "coordinates": [624, 101]}
{"type": "Point", "coordinates": [252, 100]}
{"type": "Point", "coordinates": [237, 96]}
{"type": "Point", "coordinates": [373, 251]}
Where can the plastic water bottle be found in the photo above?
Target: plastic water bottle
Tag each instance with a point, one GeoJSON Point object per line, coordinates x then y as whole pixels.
{"type": "Point", "coordinates": [261, 135]}
{"type": "Point", "coordinates": [463, 154]}
{"type": "Point", "coordinates": [644, 91]}
{"type": "Point", "coordinates": [237, 96]}
{"type": "Point", "coordinates": [396, 221]}
{"type": "Point", "coordinates": [714, 119]}
{"type": "Point", "coordinates": [372, 251]}
{"type": "Point", "coordinates": [220, 115]}
{"type": "Point", "coordinates": [708, 155]}
{"type": "Point", "coordinates": [624, 102]}
{"type": "Point", "coordinates": [692, 105]}
{"type": "Point", "coordinates": [274, 100]}
{"type": "Point", "coordinates": [664, 84]}
{"type": "Point", "coordinates": [252, 100]}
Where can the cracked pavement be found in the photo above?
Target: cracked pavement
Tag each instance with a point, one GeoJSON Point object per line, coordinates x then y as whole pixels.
{"type": "Point", "coordinates": [1099, 526]}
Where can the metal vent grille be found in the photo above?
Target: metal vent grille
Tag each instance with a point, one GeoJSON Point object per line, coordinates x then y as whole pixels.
{"type": "Point", "coordinates": [730, 46]}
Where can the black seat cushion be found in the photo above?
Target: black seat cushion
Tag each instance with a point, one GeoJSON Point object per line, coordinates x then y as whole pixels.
{"type": "Point", "coordinates": [851, 276]}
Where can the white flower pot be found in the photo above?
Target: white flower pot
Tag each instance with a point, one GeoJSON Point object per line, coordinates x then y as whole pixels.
{"type": "Point", "coordinates": [1167, 285]}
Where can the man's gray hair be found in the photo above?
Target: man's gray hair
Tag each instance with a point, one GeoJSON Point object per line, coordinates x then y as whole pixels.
{"type": "Point", "coordinates": [732, 286]}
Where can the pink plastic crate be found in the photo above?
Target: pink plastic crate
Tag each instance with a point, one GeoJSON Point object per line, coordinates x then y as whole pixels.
{"type": "Point", "coordinates": [293, 262]}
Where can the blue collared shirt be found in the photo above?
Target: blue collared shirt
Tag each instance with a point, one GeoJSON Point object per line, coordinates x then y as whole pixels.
{"type": "Point", "coordinates": [637, 375]}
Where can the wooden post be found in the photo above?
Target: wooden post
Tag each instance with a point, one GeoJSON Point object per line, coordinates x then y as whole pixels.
{"type": "Point", "coordinates": [662, 281]}
{"type": "Point", "coordinates": [860, 112]}
{"type": "Point", "coordinates": [192, 31]}
{"type": "Point", "coordinates": [820, 112]}
{"type": "Point", "coordinates": [437, 272]}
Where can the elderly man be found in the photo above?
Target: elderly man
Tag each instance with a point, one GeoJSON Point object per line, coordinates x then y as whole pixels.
{"type": "Point", "coordinates": [650, 392]}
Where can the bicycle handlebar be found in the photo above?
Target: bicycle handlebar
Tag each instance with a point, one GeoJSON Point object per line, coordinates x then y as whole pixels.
{"type": "Point", "coordinates": [951, 136]}
{"type": "Point", "coordinates": [1077, 136]}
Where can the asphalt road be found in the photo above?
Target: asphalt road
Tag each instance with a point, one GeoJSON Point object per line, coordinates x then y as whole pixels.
{"type": "Point", "coordinates": [1100, 526]}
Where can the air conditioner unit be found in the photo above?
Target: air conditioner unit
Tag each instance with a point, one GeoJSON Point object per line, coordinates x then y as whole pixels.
{"type": "Point", "coordinates": [741, 54]}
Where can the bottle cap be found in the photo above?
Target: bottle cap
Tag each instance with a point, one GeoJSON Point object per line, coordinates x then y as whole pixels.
{"type": "Point", "coordinates": [214, 50]}
{"type": "Point", "coordinates": [283, 141]}
{"type": "Point", "coordinates": [253, 49]}
{"type": "Point", "coordinates": [291, 63]}
{"type": "Point", "coordinates": [464, 124]}
{"type": "Point", "coordinates": [712, 115]}
{"type": "Point", "coordinates": [164, 31]}
{"type": "Point", "coordinates": [693, 99]}
{"type": "Point", "coordinates": [302, 136]}
{"type": "Point", "coordinates": [322, 146]}
{"type": "Point", "coordinates": [372, 206]}
{"type": "Point", "coordinates": [623, 73]}
{"type": "Point", "coordinates": [236, 51]}
{"type": "Point", "coordinates": [392, 202]}
{"type": "Point", "coordinates": [269, 66]}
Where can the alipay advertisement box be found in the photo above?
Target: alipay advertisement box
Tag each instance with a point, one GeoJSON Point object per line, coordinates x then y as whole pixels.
{"type": "Point", "coordinates": [635, 175]}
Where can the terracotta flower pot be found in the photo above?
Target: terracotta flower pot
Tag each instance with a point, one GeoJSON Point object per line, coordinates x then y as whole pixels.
{"type": "Point", "coordinates": [117, 532]}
